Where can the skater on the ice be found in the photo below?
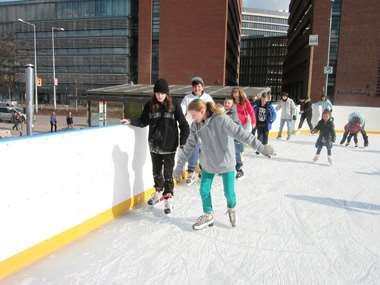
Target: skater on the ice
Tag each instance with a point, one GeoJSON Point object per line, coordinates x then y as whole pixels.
{"type": "Point", "coordinates": [288, 114]}
{"type": "Point", "coordinates": [217, 132]}
{"type": "Point", "coordinates": [265, 116]}
{"type": "Point", "coordinates": [324, 103]}
{"type": "Point", "coordinates": [198, 92]}
{"type": "Point", "coordinates": [244, 109]}
{"type": "Point", "coordinates": [230, 110]}
{"type": "Point", "coordinates": [306, 112]}
{"type": "Point", "coordinates": [327, 135]}
{"type": "Point", "coordinates": [246, 116]}
{"type": "Point", "coordinates": [356, 124]}
{"type": "Point", "coordinates": [162, 114]}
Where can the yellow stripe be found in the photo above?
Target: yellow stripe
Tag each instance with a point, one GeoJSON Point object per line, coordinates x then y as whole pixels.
{"type": "Point", "coordinates": [42, 249]}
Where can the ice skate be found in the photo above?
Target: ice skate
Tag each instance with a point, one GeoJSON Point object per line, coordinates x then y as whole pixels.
{"type": "Point", "coordinates": [191, 178]}
{"type": "Point", "coordinates": [232, 216]}
{"type": "Point", "coordinates": [330, 160]}
{"type": "Point", "coordinates": [155, 198]}
{"type": "Point", "coordinates": [204, 221]}
{"type": "Point", "coordinates": [239, 174]}
{"type": "Point", "coordinates": [316, 157]}
{"type": "Point", "coordinates": [168, 204]}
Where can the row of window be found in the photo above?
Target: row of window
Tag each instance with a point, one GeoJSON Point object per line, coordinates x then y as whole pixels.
{"type": "Point", "coordinates": [265, 19]}
{"type": "Point", "coordinates": [264, 26]}
{"type": "Point", "coordinates": [93, 8]}
{"type": "Point", "coordinates": [246, 32]}
{"type": "Point", "coordinates": [83, 33]}
{"type": "Point", "coordinates": [81, 51]}
{"type": "Point", "coordinates": [65, 10]}
{"type": "Point", "coordinates": [98, 69]}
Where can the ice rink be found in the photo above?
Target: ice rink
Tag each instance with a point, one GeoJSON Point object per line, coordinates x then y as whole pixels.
{"type": "Point", "coordinates": [299, 222]}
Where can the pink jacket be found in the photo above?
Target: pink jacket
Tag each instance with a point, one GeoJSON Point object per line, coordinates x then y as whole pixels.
{"type": "Point", "coordinates": [244, 111]}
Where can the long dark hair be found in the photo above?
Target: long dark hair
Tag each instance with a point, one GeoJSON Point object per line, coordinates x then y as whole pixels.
{"type": "Point", "coordinates": [168, 104]}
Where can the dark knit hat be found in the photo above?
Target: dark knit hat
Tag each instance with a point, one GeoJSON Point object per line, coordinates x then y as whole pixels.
{"type": "Point", "coordinates": [161, 86]}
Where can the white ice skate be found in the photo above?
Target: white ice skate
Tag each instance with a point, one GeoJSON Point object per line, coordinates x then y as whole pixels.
{"type": "Point", "coordinates": [232, 216]}
{"type": "Point", "coordinates": [168, 204]}
{"type": "Point", "coordinates": [155, 198]}
{"type": "Point", "coordinates": [330, 160]}
{"type": "Point", "coordinates": [204, 221]}
{"type": "Point", "coordinates": [191, 178]}
{"type": "Point", "coordinates": [316, 157]}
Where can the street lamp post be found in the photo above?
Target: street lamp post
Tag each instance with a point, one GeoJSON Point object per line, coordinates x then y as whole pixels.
{"type": "Point", "coordinates": [328, 48]}
{"type": "Point", "coordinates": [35, 63]}
{"type": "Point", "coordinates": [54, 81]}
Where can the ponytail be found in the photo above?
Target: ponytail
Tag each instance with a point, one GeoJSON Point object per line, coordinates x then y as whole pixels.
{"type": "Point", "coordinates": [210, 107]}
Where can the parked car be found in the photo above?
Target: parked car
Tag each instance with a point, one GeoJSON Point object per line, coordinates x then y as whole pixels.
{"type": "Point", "coordinates": [6, 113]}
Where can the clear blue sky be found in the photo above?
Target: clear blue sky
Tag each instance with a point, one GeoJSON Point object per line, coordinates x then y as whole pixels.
{"type": "Point", "coordinates": [267, 4]}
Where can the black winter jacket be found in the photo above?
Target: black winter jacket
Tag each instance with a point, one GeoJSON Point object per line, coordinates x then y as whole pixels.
{"type": "Point", "coordinates": [306, 108]}
{"type": "Point", "coordinates": [163, 129]}
{"type": "Point", "coordinates": [327, 134]}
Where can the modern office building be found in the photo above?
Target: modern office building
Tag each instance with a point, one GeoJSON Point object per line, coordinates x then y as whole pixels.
{"type": "Point", "coordinates": [353, 51]}
{"type": "Point", "coordinates": [261, 62]}
{"type": "Point", "coordinates": [258, 22]}
{"type": "Point", "coordinates": [112, 42]}
{"type": "Point", "coordinates": [96, 48]}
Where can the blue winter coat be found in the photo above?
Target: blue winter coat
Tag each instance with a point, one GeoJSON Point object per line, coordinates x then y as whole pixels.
{"type": "Point", "coordinates": [270, 115]}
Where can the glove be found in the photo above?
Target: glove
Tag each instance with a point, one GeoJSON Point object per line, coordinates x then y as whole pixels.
{"type": "Point", "coordinates": [294, 117]}
{"type": "Point", "coordinates": [268, 150]}
{"type": "Point", "coordinates": [177, 173]}
{"type": "Point", "coordinates": [125, 121]}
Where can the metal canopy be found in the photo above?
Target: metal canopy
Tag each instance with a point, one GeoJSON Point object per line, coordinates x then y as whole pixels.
{"type": "Point", "coordinates": [142, 92]}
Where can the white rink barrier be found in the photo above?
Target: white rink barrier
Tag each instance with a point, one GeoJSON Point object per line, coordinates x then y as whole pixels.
{"type": "Point", "coordinates": [58, 187]}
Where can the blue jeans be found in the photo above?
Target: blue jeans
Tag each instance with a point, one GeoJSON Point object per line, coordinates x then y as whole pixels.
{"type": "Point", "coordinates": [289, 126]}
{"type": "Point", "coordinates": [239, 147]}
{"type": "Point", "coordinates": [229, 190]}
{"type": "Point", "coordinates": [193, 160]}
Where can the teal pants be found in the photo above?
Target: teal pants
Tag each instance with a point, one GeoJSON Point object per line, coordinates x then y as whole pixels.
{"type": "Point", "coordinates": [229, 190]}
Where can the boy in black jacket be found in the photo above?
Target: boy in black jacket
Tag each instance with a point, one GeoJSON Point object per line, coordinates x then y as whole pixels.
{"type": "Point", "coordinates": [306, 113]}
{"type": "Point", "coordinates": [326, 135]}
{"type": "Point", "coordinates": [162, 114]}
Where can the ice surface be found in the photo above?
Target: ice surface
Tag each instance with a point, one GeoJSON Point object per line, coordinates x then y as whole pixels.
{"type": "Point", "coordinates": [299, 222]}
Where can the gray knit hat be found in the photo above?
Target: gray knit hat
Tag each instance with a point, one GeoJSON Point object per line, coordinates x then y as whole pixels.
{"type": "Point", "coordinates": [197, 80]}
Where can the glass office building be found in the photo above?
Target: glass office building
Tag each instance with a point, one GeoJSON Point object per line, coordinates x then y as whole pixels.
{"type": "Point", "coordinates": [258, 22]}
{"type": "Point", "coordinates": [97, 47]}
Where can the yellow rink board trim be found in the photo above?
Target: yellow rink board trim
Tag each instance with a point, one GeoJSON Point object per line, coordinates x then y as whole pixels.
{"type": "Point", "coordinates": [44, 248]}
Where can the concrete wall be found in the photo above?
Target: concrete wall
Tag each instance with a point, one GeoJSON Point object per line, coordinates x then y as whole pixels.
{"type": "Point", "coordinates": [51, 183]}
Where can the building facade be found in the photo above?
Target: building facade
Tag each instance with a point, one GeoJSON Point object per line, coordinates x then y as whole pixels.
{"type": "Point", "coordinates": [261, 62]}
{"type": "Point", "coordinates": [96, 48]}
{"type": "Point", "coordinates": [258, 22]}
{"type": "Point", "coordinates": [189, 38]}
{"type": "Point", "coordinates": [354, 30]}
{"type": "Point", "coordinates": [112, 42]}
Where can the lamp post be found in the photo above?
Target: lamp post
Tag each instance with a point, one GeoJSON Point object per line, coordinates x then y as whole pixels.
{"type": "Point", "coordinates": [328, 49]}
{"type": "Point", "coordinates": [54, 81]}
{"type": "Point", "coordinates": [35, 63]}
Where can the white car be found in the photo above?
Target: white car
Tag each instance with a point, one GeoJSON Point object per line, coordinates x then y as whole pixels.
{"type": "Point", "coordinates": [6, 113]}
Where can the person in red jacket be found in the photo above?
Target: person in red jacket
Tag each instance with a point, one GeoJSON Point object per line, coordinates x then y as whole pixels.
{"type": "Point", "coordinates": [246, 117]}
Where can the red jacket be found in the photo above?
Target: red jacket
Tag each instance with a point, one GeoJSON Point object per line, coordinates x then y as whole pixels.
{"type": "Point", "coordinates": [244, 111]}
